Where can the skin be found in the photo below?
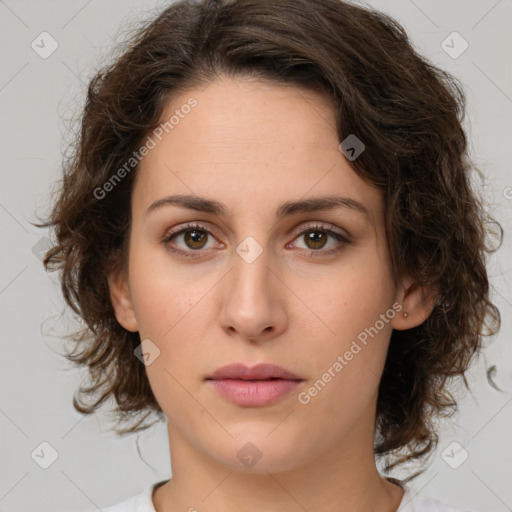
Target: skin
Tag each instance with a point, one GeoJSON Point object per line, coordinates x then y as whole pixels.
{"type": "Point", "coordinates": [253, 145]}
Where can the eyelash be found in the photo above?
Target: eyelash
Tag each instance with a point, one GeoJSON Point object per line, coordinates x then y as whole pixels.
{"type": "Point", "coordinates": [308, 228]}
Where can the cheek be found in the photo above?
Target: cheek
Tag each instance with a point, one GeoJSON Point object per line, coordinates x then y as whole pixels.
{"type": "Point", "coordinates": [348, 304]}
{"type": "Point", "coordinates": [173, 309]}
{"type": "Point", "coordinates": [164, 295]}
{"type": "Point", "coordinates": [347, 365]}
{"type": "Point", "coordinates": [350, 296]}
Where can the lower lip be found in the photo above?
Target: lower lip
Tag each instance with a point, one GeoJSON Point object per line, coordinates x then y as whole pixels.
{"type": "Point", "coordinates": [247, 393]}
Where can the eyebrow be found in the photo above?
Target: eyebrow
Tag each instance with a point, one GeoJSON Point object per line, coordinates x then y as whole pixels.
{"type": "Point", "coordinates": [313, 204]}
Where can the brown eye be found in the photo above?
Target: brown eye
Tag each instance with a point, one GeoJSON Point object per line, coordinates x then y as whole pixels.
{"type": "Point", "coordinates": [319, 240]}
{"type": "Point", "coordinates": [315, 238]}
{"type": "Point", "coordinates": [192, 241]}
{"type": "Point", "coordinates": [194, 238]}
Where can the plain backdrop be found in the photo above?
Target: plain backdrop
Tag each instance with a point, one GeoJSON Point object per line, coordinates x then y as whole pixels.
{"type": "Point", "coordinates": [88, 466]}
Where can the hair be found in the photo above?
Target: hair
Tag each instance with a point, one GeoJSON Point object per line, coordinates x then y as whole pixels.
{"type": "Point", "coordinates": [407, 112]}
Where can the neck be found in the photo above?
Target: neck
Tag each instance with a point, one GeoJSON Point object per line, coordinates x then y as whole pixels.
{"type": "Point", "coordinates": [344, 478]}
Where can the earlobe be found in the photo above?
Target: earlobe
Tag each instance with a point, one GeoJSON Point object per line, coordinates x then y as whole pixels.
{"type": "Point", "coordinates": [121, 300]}
{"type": "Point", "coordinates": [417, 304]}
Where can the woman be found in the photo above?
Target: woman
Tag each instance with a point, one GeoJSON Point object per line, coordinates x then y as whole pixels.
{"type": "Point", "coordinates": [269, 231]}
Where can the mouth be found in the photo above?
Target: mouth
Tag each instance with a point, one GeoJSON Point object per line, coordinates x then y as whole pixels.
{"type": "Point", "coordinates": [256, 386]}
{"type": "Point", "coordinates": [253, 393]}
{"type": "Point", "coordinates": [264, 371]}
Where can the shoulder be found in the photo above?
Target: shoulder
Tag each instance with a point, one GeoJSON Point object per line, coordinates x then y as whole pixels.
{"type": "Point", "coordinates": [141, 502]}
{"type": "Point", "coordinates": [412, 502]}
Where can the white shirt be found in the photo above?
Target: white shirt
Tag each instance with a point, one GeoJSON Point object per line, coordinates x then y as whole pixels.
{"type": "Point", "coordinates": [411, 502]}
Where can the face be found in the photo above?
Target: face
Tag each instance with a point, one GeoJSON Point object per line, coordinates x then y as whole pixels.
{"type": "Point", "coordinates": [305, 286]}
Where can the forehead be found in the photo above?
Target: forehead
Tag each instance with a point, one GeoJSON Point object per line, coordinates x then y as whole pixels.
{"type": "Point", "coordinates": [249, 115]}
{"type": "Point", "coordinates": [249, 142]}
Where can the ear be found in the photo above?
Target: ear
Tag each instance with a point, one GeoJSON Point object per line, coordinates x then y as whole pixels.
{"type": "Point", "coordinates": [121, 300]}
{"type": "Point", "coordinates": [417, 304]}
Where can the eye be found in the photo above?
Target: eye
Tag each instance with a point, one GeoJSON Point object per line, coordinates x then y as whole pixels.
{"type": "Point", "coordinates": [316, 238]}
{"type": "Point", "coordinates": [194, 236]}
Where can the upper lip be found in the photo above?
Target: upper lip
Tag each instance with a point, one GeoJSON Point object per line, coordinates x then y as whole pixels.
{"type": "Point", "coordinates": [262, 371]}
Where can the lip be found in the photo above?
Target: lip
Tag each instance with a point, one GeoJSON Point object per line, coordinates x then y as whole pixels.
{"type": "Point", "coordinates": [258, 386]}
{"type": "Point", "coordinates": [259, 372]}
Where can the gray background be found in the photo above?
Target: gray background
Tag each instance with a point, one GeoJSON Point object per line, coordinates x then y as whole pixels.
{"type": "Point", "coordinates": [95, 469]}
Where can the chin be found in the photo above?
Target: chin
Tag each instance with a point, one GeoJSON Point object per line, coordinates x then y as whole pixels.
{"type": "Point", "coordinates": [259, 452]}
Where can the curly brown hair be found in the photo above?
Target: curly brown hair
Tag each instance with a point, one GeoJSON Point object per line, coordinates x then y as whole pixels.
{"type": "Point", "coordinates": [408, 114]}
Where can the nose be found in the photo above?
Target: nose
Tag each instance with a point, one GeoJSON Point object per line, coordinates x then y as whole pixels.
{"type": "Point", "coordinates": [253, 299]}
